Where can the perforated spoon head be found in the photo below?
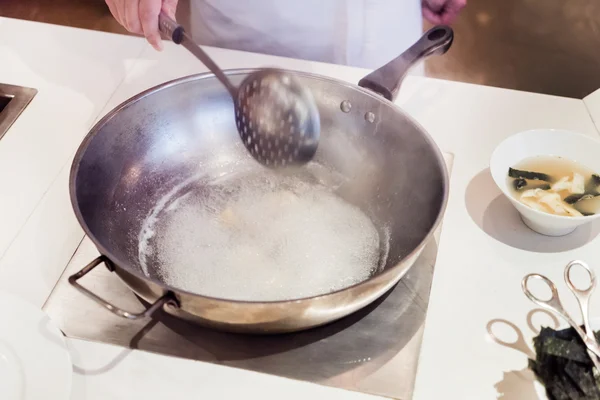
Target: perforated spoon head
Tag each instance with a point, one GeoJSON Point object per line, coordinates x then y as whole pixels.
{"type": "Point", "coordinates": [277, 119]}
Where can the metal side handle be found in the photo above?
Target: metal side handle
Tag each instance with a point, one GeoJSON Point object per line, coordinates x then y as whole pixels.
{"type": "Point", "coordinates": [158, 304]}
{"type": "Point", "coordinates": [387, 80]}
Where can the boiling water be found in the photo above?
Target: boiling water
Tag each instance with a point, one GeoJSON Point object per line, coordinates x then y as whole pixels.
{"type": "Point", "coordinates": [258, 237]}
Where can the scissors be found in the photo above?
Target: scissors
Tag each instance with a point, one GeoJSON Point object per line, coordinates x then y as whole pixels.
{"type": "Point", "coordinates": [583, 299]}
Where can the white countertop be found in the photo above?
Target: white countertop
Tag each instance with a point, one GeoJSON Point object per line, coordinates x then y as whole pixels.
{"type": "Point", "coordinates": [484, 251]}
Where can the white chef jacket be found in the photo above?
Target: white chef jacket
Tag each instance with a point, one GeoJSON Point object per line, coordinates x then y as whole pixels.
{"type": "Point", "coordinates": [361, 33]}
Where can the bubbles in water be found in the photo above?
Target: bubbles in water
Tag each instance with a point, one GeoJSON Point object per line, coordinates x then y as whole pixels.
{"type": "Point", "coordinates": [258, 236]}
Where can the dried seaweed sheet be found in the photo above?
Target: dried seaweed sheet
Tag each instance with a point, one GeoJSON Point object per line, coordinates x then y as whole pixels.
{"type": "Point", "coordinates": [569, 350]}
{"type": "Point", "coordinates": [563, 365]}
{"type": "Point", "coordinates": [584, 375]}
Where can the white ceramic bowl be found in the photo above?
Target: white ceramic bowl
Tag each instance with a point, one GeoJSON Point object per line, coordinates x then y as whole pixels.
{"type": "Point", "coordinates": [545, 142]}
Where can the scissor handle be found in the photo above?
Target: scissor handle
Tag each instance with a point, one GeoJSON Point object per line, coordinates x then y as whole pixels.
{"type": "Point", "coordinates": [583, 300]}
{"type": "Point", "coordinates": [553, 303]}
{"type": "Point", "coordinates": [583, 292]}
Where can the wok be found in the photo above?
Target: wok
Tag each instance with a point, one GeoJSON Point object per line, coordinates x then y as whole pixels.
{"type": "Point", "coordinates": [390, 168]}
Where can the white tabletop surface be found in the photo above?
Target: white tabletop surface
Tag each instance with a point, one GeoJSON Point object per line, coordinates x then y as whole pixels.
{"type": "Point", "coordinates": [484, 250]}
{"type": "Point", "coordinates": [592, 103]}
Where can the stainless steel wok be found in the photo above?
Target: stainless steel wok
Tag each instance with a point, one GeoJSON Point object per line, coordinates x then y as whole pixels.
{"type": "Point", "coordinates": [154, 141]}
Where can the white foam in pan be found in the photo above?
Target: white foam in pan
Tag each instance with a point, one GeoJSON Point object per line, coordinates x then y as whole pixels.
{"type": "Point", "coordinates": [273, 238]}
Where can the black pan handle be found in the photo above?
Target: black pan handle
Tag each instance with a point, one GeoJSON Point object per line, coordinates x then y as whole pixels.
{"type": "Point", "coordinates": [158, 304]}
{"type": "Point", "coordinates": [386, 80]}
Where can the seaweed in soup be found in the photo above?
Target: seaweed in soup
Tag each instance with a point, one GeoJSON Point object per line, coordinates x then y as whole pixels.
{"type": "Point", "coordinates": [530, 175]}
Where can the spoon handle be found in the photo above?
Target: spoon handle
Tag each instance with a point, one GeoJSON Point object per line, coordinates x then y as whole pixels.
{"type": "Point", "coordinates": [170, 28]}
{"type": "Point", "coordinates": [178, 35]}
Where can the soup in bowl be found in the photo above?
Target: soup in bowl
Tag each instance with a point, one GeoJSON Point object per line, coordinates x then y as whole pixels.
{"type": "Point", "coordinates": [552, 177]}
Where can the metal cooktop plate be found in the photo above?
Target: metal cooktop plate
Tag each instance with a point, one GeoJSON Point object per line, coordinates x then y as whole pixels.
{"type": "Point", "coordinates": [374, 350]}
{"type": "Point", "coordinates": [13, 100]}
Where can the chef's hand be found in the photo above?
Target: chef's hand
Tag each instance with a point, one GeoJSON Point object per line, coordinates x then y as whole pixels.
{"type": "Point", "coordinates": [442, 11]}
{"type": "Point", "coordinates": [141, 16]}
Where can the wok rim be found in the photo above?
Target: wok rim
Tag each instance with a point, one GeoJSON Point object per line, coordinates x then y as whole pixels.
{"type": "Point", "coordinates": [118, 263]}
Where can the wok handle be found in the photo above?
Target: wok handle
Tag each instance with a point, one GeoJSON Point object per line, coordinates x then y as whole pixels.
{"type": "Point", "coordinates": [386, 80]}
{"type": "Point", "coordinates": [158, 304]}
